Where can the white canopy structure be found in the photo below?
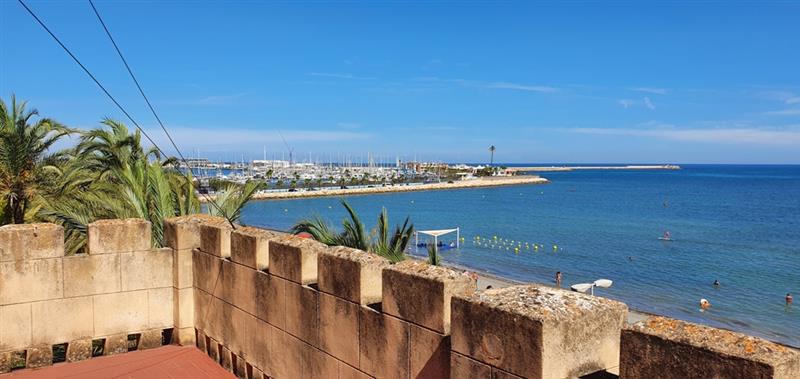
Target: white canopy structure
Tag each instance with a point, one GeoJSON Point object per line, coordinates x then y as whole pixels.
{"type": "Point", "coordinates": [436, 234]}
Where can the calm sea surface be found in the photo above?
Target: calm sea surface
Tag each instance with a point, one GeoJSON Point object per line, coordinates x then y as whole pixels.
{"type": "Point", "coordinates": [737, 224]}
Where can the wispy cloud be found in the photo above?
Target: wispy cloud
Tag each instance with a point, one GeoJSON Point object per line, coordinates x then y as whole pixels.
{"type": "Point", "coordinates": [522, 87]}
{"type": "Point", "coordinates": [649, 104]}
{"type": "Point", "coordinates": [784, 112]}
{"type": "Point", "coordinates": [758, 136]}
{"type": "Point", "coordinates": [210, 100]}
{"type": "Point", "coordinates": [487, 84]}
{"type": "Point", "coordinates": [340, 76]}
{"type": "Point", "coordinates": [786, 97]}
{"type": "Point", "coordinates": [238, 139]}
{"type": "Point", "coordinates": [644, 102]}
{"type": "Point", "coordinates": [657, 91]}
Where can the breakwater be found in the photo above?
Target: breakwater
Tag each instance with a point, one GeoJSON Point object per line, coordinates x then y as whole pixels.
{"type": "Point", "coordinates": [480, 182]}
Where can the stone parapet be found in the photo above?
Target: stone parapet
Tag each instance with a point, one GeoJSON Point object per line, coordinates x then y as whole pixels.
{"type": "Point", "coordinates": [538, 332]}
{"type": "Point", "coordinates": [123, 287]}
{"type": "Point", "coordinates": [31, 241]}
{"type": "Point", "coordinates": [294, 259]}
{"type": "Point", "coordinates": [117, 236]}
{"type": "Point", "coordinates": [351, 274]}
{"type": "Point", "coordinates": [421, 293]}
{"type": "Point", "coordinates": [279, 306]}
{"type": "Point", "coordinates": [660, 347]}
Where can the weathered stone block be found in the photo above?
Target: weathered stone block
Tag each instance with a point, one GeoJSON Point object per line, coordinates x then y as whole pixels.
{"type": "Point", "coordinates": [239, 338]}
{"type": "Point", "coordinates": [219, 320]}
{"type": "Point", "coordinates": [184, 336]}
{"type": "Point", "coordinates": [39, 356]}
{"type": "Point", "coordinates": [500, 374]}
{"type": "Point", "coordinates": [146, 269]}
{"type": "Point", "coordinates": [116, 344]}
{"type": "Point", "coordinates": [238, 285]}
{"type": "Point", "coordinates": [320, 365]}
{"type": "Point", "coordinates": [462, 367]}
{"type": "Point", "coordinates": [183, 233]}
{"type": "Point", "coordinates": [294, 259]}
{"type": "Point", "coordinates": [338, 323]}
{"type": "Point", "coordinates": [250, 246]}
{"type": "Point", "coordinates": [183, 305]}
{"type": "Point", "coordinates": [91, 274]}
{"type": "Point", "coordinates": [120, 312]}
{"type": "Point", "coordinates": [59, 321]}
{"type": "Point", "coordinates": [430, 353]}
{"type": "Point", "coordinates": [263, 334]}
{"type": "Point", "coordinates": [15, 326]}
{"type": "Point", "coordinates": [271, 299]}
{"type": "Point", "coordinates": [538, 332]}
{"type": "Point", "coordinates": [302, 312]}
{"type": "Point", "coordinates": [116, 236]}
{"type": "Point", "coordinates": [351, 274]}
{"type": "Point", "coordinates": [150, 339]}
{"type": "Point", "coordinates": [660, 347]}
{"type": "Point", "coordinates": [202, 309]}
{"type": "Point", "coordinates": [207, 270]}
{"type": "Point", "coordinates": [383, 345]}
{"type": "Point", "coordinates": [215, 238]}
{"type": "Point", "coordinates": [420, 293]}
{"type": "Point", "coordinates": [160, 309]}
{"type": "Point", "coordinates": [348, 372]}
{"type": "Point", "coordinates": [288, 357]}
{"type": "Point", "coordinates": [32, 280]}
{"type": "Point", "coordinates": [79, 350]}
{"type": "Point", "coordinates": [31, 241]}
{"type": "Point", "coordinates": [182, 269]}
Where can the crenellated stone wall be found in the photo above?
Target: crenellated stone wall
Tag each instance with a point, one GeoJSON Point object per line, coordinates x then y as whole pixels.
{"type": "Point", "coordinates": [271, 305]}
{"type": "Point", "coordinates": [117, 297]}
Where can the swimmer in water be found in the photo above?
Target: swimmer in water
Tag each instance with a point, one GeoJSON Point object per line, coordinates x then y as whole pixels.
{"type": "Point", "coordinates": [704, 304]}
{"type": "Point", "coordinates": [789, 299]}
{"type": "Point", "coordinates": [716, 283]}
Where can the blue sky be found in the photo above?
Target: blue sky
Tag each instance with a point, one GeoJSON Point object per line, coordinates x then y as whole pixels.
{"type": "Point", "coordinates": [621, 82]}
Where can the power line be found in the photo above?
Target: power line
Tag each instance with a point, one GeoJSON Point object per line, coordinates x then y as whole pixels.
{"type": "Point", "coordinates": [149, 105]}
{"type": "Point", "coordinates": [114, 100]}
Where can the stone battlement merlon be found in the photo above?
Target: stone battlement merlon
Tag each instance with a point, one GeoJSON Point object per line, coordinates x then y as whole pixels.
{"type": "Point", "coordinates": [267, 303]}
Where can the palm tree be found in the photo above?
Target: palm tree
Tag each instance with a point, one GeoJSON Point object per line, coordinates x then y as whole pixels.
{"type": "Point", "coordinates": [25, 166]}
{"type": "Point", "coordinates": [110, 175]}
{"type": "Point", "coordinates": [434, 259]}
{"type": "Point", "coordinates": [231, 200]}
{"type": "Point", "coordinates": [381, 242]}
{"type": "Point", "coordinates": [491, 151]}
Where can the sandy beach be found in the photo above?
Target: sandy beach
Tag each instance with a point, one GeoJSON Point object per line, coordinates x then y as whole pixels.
{"type": "Point", "coordinates": [480, 182]}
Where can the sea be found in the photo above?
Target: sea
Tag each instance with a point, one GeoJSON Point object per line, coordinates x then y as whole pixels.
{"type": "Point", "coordinates": [738, 224]}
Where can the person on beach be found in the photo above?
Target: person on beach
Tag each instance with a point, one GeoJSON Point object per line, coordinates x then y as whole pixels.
{"type": "Point", "coordinates": [558, 279]}
{"type": "Point", "coordinates": [789, 299]}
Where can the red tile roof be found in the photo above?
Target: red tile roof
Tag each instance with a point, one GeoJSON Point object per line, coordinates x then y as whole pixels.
{"type": "Point", "coordinates": [164, 362]}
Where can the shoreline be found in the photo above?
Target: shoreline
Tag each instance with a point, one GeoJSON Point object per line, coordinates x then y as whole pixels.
{"type": "Point", "coordinates": [474, 183]}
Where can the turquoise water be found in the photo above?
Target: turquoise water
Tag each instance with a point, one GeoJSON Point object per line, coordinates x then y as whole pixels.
{"type": "Point", "coordinates": [737, 224]}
